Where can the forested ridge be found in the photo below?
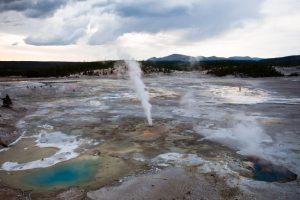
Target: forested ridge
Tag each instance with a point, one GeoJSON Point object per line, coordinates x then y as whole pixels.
{"type": "Point", "coordinates": [260, 68]}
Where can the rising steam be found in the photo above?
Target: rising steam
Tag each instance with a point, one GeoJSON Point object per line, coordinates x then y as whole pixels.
{"type": "Point", "coordinates": [139, 87]}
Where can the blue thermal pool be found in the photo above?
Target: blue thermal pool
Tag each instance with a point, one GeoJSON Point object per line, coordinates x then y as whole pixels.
{"type": "Point", "coordinates": [72, 173]}
{"type": "Point", "coordinates": [265, 171]}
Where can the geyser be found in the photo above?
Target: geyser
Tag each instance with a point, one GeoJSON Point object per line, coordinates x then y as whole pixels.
{"type": "Point", "coordinates": [139, 87]}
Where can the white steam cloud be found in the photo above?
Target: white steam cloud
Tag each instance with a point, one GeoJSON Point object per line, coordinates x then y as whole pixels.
{"type": "Point", "coordinates": [234, 129]}
{"type": "Point", "coordinates": [139, 87]}
{"type": "Point", "coordinates": [242, 133]}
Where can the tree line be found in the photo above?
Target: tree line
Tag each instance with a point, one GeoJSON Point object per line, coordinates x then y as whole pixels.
{"type": "Point", "coordinates": [260, 68]}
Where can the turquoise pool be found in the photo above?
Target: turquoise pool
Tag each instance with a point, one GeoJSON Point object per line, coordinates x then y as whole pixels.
{"type": "Point", "coordinates": [68, 174]}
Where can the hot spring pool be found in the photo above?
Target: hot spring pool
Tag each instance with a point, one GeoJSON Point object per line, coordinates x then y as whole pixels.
{"type": "Point", "coordinates": [72, 173]}
{"type": "Point", "coordinates": [272, 173]}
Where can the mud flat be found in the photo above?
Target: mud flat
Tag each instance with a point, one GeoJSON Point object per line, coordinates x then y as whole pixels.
{"type": "Point", "coordinates": [26, 151]}
{"type": "Point", "coordinates": [171, 183]}
{"type": "Point", "coordinates": [177, 183]}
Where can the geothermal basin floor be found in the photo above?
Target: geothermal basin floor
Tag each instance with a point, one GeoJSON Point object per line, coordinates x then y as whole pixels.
{"type": "Point", "coordinates": [212, 138]}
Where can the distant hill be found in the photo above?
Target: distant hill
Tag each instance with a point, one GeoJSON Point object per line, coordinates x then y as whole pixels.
{"type": "Point", "coordinates": [283, 61]}
{"type": "Point", "coordinates": [219, 66]}
{"type": "Point", "coordinates": [173, 57]}
{"type": "Point", "coordinates": [185, 58]}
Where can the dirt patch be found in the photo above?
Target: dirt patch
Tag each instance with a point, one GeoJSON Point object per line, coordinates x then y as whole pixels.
{"type": "Point", "coordinates": [172, 183]}
{"type": "Point", "coordinates": [8, 120]}
{"type": "Point", "coordinates": [11, 194]}
{"type": "Point", "coordinates": [73, 193]}
{"type": "Point", "coordinates": [26, 151]}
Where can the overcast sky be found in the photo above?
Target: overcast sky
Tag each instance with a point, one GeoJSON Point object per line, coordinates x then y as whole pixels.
{"type": "Point", "coordinates": [78, 30]}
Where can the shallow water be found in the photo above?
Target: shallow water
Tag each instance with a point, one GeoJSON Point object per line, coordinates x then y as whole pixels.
{"type": "Point", "coordinates": [67, 174]}
{"type": "Point", "coordinates": [271, 173]}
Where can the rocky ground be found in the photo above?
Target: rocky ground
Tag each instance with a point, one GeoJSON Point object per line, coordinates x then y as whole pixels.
{"type": "Point", "coordinates": [171, 183]}
{"type": "Point", "coordinates": [8, 130]}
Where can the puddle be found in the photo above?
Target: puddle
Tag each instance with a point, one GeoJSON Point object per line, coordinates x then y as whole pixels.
{"type": "Point", "coordinates": [263, 170]}
{"type": "Point", "coordinates": [272, 173]}
{"type": "Point", "coordinates": [63, 175]}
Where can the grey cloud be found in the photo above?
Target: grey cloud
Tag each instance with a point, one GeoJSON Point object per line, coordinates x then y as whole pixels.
{"type": "Point", "coordinates": [150, 9]}
{"type": "Point", "coordinates": [66, 37]}
{"type": "Point", "coordinates": [32, 8]}
{"type": "Point", "coordinates": [103, 37]}
{"type": "Point", "coordinates": [198, 19]}
{"type": "Point", "coordinates": [202, 19]}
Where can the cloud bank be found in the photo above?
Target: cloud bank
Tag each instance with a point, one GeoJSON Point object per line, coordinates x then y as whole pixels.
{"type": "Point", "coordinates": [32, 8]}
{"type": "Point", "coordinates": [98, 29]}
{"type": "Point", "coordinates": [65, 22]}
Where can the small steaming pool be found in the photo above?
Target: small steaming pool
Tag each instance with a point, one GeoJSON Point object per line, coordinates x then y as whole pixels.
{"type": "Point", "coordinates": [72, 173]}
{"type": "Point", "coordinates": [272, 173]}
{"type": "Point", "coordinates": [264, 170]}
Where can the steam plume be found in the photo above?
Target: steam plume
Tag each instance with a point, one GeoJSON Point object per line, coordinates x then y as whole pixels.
{"type": "Point", "coordinates": [139, 87]}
